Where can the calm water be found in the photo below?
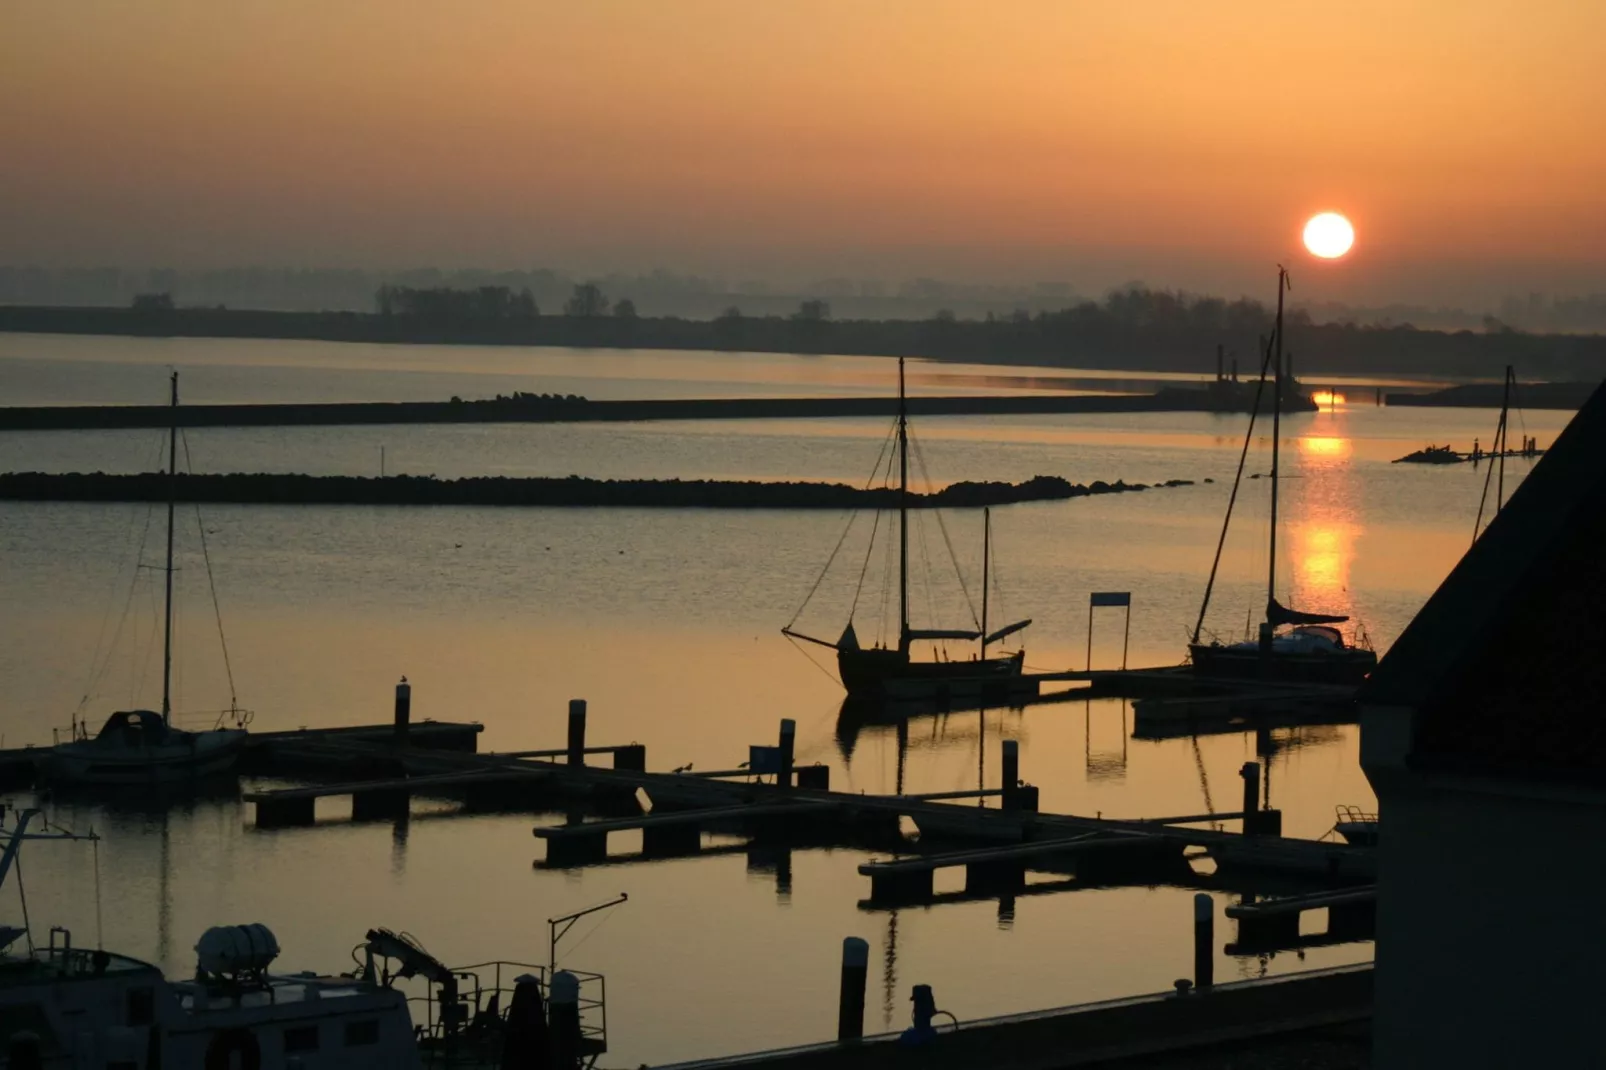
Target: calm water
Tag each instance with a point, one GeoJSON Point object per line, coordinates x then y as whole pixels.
{"type": "Point", "coordinates": [667, 622]}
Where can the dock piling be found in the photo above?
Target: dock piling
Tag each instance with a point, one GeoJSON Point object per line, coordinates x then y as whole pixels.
{"type": "Point", "coordinates": [577, 731]}
{"type": "Point", "coordinates": [404, 711]}
{"type": "Point", "coordinates": [1009, 772]}
{"type": "Point", "coordinates": [788, 747]}
{"type": "Point", "coordinates": [1251, 774]}
{"type": "Point", "coordinates": [631, 758]}
{"type": "Point", "coordinates": [1204, 941]}
{"type": "Point", "coordinates": [850, 1003]}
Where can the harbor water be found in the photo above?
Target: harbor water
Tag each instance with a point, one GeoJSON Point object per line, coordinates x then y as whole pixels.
{"type": "Point", "coordinates": [668, 623]}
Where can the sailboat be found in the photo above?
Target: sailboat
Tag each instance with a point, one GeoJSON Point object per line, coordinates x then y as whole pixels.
{"type": "Point", "coordinates": [890, 672]}
{"type": "Point", "coordinates": [1292, 645]}
{"type": "Point", "coordinates": [142, 747]}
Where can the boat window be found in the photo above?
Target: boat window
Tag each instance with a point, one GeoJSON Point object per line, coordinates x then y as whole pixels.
{"type": "Point", "coordinates": [141, 1006]}
{"type": "Point", "coordinates": [301, 1038]}
{"type": "Point", "coordinates": [362, 1033]}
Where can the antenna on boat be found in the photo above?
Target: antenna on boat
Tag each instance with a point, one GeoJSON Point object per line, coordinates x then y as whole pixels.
{"type": "Point", "coordinates": [172, 494]}
{"type": "Point", "coordinates": [903, 515]}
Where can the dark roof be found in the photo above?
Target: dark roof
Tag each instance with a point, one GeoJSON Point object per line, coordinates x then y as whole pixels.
{"type": "Point", "coordinates": [1506, 663]}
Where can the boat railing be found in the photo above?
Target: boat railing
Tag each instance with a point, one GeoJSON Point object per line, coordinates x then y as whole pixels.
{"type": "Point", "coordinates": [486, 991]}
{"type": "Point", "coordinates": [1354, 815]}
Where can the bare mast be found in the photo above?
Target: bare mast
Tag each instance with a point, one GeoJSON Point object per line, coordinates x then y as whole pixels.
{"type": "Point", "coordinates": [1267, 628]}
{"type": "Point", "coordinates": [986, 569]}
{"type": "Point", "coordinates": [172, 493]}
{"type": "Point", "coordinates": [903, 516]}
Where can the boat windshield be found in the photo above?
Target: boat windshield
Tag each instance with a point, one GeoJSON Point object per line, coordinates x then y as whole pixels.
{"type": "Point", "coordinates": [1316, 631]}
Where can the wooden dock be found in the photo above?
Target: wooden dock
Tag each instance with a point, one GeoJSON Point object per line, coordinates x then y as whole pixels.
{"type": "Point", "coordinates": [283, 752]}
{"type": "Point", "coordinates": [1114, 1032]}
{"type": "Point", "coordinates": [996, 845]}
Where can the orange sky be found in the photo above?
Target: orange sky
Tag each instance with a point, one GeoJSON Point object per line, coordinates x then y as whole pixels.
{"type": "Point", "coordinates": [1180, 142]}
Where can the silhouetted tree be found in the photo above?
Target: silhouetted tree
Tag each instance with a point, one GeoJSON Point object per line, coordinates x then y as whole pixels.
{"type": "Point", "coordinates": [813, 311]}
{"type": "Point", "coordinates": [624, 309]}
{"type": "Point", "coordinates": [524, 305]}
{"type": "Point", "coordinates": [587, 300]}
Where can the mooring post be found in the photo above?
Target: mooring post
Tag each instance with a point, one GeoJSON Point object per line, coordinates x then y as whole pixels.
{"type": "Point", "coordinates": [1009, 775]}
{"type": "Point", "coordinates": [1204, 941]}
{"type": "Point", "coordinates": [577, 731]}
{"type": "Point", "coordinates": [850, 1004]}
{"type": "Point", "coordinates": [1251, 774]}
{"type": "Point", "coordinates": [563, 1019]}
{"type": "Point", "coordinates": [788, 746]}
{"type": "Point", "coordinates": [404, 710]}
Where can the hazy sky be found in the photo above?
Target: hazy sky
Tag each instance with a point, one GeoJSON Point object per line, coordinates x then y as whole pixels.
{"type": "Point", "coordinates": [1178, 142]}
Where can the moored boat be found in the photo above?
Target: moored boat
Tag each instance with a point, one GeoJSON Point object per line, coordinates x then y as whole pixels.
{"type": "Point", "coordinates": [1292, 646]}
{"type": "Point", "coordinates": [882, 672]}
{"type": "Point", "coordinates": [143, 747]}
{"type": "Point", "coordinates": [63, 1005]}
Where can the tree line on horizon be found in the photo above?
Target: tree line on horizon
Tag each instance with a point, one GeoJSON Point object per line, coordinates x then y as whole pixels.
{"type": "Point", "coordinates": [1163, 329]}
{"type": "Point", "coordinates": [1135, 327]}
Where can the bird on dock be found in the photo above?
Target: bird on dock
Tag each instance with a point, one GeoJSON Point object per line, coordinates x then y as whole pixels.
{"type": "Point", "coordinates": [685, 768]}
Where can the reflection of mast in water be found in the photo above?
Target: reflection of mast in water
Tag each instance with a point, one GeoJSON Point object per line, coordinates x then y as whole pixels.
{"type": "Point", "coordinates": [1204, 782]}
{"type": "Point", "coordinates": [981, 757]}
{"type": "Point", "coordinates": [398, 843]}
{"type": "Point", "coordinates": [889, 971]}
{"type": "Point", "coordinates": [164, 905]}
{"type": "Point", "coordinates": [903, 751]}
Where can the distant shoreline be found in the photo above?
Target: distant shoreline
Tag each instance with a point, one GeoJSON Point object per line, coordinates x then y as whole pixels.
{"type": "Point", "coordinates": [570, 492]}
{"type": "Point", "coordinates": [1063, 340]}
{"type": "Point", "coordinates": [1567, 396]}
{"type": "Point", "coordinates": [529, 408]}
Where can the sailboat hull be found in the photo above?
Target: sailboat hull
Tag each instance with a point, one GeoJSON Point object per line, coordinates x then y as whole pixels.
{"type": "Point", "coordinates": [884, 674]}
{"type": "Point", "coordinates": [1246, 662]}
{"type": "Point", "coordinates": [183, 758]}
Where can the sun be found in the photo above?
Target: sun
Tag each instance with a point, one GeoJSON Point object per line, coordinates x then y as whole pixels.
{"type": "Point", "coordinates": [1329, 235]}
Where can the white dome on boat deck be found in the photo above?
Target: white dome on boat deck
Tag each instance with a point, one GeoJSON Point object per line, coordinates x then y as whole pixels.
{"type": "Point", "coordinates": [230, 949]}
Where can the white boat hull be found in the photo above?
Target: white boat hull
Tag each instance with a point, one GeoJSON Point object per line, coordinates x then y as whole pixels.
{"type": "Point", "coordinates": [191, 756]}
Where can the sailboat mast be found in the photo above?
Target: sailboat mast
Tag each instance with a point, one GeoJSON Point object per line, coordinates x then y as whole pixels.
{"type": "Point", "coordinates": [986, 569]}
{"type": "Point", "coordinates": [903, 515]}
{"type": "Point", "coordinates": [1505, 416]}
{"type": "Point", "coordinates": [1276, 438]}
{"type": "Point", "coordinates": [172, 493]}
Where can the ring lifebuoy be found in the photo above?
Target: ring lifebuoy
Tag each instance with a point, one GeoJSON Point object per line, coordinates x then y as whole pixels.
{"type": "Point", "coordinates": [220, 1054]}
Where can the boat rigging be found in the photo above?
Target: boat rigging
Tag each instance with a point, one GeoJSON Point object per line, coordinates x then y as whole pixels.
{"type": "Point", "coordinates": [1311, 649]}
{"type": "Point", "coordinates": [885, 671]}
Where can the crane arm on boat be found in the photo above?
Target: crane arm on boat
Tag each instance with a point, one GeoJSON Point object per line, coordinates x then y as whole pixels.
{"type": "Point", "coordinates": [1009, 629]}
{"type": "Point", "coordinates": [383, 943]}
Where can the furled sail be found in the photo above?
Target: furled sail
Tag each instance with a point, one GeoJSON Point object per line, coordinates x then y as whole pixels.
{"type": "Point", "coordinates": [1277, 613]}
{"type": "Point", "coordinates": [1009, 630]}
